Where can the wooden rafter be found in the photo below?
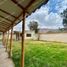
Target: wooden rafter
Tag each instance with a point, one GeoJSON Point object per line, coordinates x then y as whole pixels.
{"type": "Point", "coordinates": [12, 24]}
{"type": "Point", "coordinates": [1, 30]}
{"type": "Point", "coordinates": [5, 22]}
{"type": "Point", "coordinates": [31, 2]}
{"type": "Point", "coordinates": [7, 13]}
{"type": "Point", "coordinates": [6, 18]}
{"type": "Point", "coordinates": [18, 4]}
{"type": "Point", "coordinates": [2, 27]}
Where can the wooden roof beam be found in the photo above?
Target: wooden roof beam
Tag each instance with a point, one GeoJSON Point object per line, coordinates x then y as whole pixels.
{"type": "Point", "coordinates": [1, 30]}
{"type": "Point", "coordinates": [2, 26]}
{"type": "Point", "coordinates": [5, 22]}
{"type": "Point", "coordinates": [7, 13]}
{"type": "Point", "coordinates": [31, 2]}
{"type": "Point", "coordinates": [18, 4]}
{"type": "Point", "coordinates": [6, 18]}
{"type": "Point", "coordinates": [14, 21]}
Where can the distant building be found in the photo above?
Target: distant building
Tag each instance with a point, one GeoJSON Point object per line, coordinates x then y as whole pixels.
{"type": "Point", "coordinates": [28, 34]}
{"type": "Point", "coordinates": [31, 35]}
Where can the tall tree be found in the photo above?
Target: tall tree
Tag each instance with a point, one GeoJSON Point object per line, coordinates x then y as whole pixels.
{"type": "Point", "coordinates": [64, 15]}
{"type": "Point", "coordinates": [33, 26]}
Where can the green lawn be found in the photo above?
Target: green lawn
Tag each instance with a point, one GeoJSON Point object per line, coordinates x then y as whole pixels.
{"type": "Point", "coordinates": [41, 54]}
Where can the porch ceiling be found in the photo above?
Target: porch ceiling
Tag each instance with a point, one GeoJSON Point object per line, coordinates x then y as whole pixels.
{"type": "Point", "coordinates": [11, 11]}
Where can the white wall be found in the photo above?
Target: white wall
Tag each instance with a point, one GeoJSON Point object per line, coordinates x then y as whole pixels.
{"type": "Point", "coordinates": [29, 32]}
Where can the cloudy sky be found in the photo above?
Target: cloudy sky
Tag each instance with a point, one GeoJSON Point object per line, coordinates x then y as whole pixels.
{"type": "Point", "coordinates": [48, 16]}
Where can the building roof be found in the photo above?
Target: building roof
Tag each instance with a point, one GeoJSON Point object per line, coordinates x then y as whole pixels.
{"type": "Point", "coordinates": [11, 11]}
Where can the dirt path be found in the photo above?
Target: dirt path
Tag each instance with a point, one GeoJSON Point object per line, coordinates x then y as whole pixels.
{"type": "Point", "coordinates": [4, 60]}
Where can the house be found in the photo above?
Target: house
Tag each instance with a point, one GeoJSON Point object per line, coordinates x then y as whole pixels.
{"type": "Point", "coordinates": [28, 34]}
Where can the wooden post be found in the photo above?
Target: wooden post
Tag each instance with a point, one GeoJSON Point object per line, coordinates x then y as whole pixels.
{"type": "Point", "coordinates": [7, 41]}
{"type": "Point", "coordinates": [10, 47]}
{"type": "Point", "coordinates": [3, 39]}
{"type": "Point", "coordinates": [22, 48]}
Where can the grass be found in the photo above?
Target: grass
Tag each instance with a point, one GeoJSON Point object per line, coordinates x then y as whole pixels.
{"type": "Point", "coordinates": [41, 54]}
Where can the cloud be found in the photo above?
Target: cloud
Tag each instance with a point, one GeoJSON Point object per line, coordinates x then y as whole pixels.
{"type": "Point", "coordinates": [53, 20]}
{"type": "Point", "coordinates": [46, 19]}
{"type": "Point", "coordinates": [18, 27]}
{"type": "Point", "coordinates": [61, 6]}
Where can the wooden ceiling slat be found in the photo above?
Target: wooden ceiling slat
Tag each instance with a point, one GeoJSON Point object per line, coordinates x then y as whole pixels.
{"type": "Point", "coordinates": [31, 2]}
{"type": "Point", "coordinates": [4, 24]}
{"type": "Point", "coordinates": [18, 4]}
{"type": "Point", "coordinates": [7, 13]}
{"type": "Point", "coordinates": [6, 18]}
{"type": "Point", "coordinates": [14, 21]}
{"type": "Point", "coordinates": [2, 28]}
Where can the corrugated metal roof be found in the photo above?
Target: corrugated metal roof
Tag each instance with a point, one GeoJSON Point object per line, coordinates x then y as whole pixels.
{"type": "Point", "coordinates": [11, 11]}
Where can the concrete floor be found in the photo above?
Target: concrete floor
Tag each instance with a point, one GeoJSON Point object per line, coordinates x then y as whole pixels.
{"type": "Point", "coordinates": [4, 60]}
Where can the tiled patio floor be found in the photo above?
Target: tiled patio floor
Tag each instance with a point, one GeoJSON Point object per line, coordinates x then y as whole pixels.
{"type": "Point", "coordinates": [4, 60]}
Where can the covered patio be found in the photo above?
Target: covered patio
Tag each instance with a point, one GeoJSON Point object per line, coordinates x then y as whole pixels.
{"type": "Point", "coordinates": [11, 13]}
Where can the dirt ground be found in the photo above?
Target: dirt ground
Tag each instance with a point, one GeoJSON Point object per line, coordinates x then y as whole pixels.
{"type": "Point", "coordinates": [59, 37]}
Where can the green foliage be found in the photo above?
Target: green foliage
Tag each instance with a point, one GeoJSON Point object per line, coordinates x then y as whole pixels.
{"type": "Point", "coordinates": [41, 54]}
{"type": "Point", "coordinates": [33, 26]}
{"type": "Point", "coordinates": [64, 14]}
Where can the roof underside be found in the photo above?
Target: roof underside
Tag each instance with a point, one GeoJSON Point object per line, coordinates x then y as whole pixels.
{"type": "Point", "coordinates": [11, 11]}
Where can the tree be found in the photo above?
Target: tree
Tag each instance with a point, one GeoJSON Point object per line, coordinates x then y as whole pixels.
{"type": "Point", "coordinates": [64, 15]}
{"type": "Point", "coordinates": [33, 26]}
